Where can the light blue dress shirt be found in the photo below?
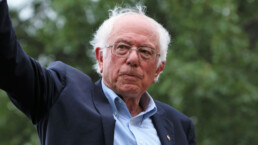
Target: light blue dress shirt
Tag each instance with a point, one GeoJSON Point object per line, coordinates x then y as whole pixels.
{"type": "Point", "coordinates": [138, 130]}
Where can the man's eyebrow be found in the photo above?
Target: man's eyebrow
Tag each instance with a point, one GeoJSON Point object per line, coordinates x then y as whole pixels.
{"type": "Point", "coordinates": [123, 40]}
{"type": "Point", "coordinates": [130, 43]}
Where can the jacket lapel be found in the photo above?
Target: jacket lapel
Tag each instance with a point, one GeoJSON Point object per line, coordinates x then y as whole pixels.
{"type": "Point", "coordinates": [165, 128]}
{"type": "Point", "coordinates": [104, 109]}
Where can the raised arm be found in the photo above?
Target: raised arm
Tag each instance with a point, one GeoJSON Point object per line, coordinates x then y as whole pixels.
{"type": "Point", "coordinates": [32, 88]}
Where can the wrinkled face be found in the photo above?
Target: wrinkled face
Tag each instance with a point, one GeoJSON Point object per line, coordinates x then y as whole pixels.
{"type": "Point", "coordinates": [130, 76]}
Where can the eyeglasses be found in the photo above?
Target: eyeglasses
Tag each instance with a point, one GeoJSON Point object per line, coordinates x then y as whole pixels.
{"type": "Point", "coordinates": [122, 49]}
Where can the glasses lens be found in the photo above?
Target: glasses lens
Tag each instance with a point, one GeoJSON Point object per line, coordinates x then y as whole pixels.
{"type": "Point", "coordinates": [121, 49]}
{"type": "Point", "coordinates": [145, 53]}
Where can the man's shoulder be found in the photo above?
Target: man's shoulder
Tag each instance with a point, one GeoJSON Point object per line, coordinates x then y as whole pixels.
{"type": "Point", "coordinates": [65, 71]}
{"type": "Point", "coordinates": [171, 112]}
{"type": "Point", "coordinates": [60, 66]}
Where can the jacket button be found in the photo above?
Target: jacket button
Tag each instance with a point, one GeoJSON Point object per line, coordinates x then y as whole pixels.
{"type": "Point", "coordinates": [168, 137]}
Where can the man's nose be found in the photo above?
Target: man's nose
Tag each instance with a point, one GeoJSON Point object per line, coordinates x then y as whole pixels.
{"type": "Point", "coordinates": [133, 57]}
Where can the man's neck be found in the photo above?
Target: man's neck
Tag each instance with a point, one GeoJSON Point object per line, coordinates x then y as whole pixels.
{"type": "Point", "coordinates": [136, 105]}
{"type": "Point", "coordinates": [133, 106]}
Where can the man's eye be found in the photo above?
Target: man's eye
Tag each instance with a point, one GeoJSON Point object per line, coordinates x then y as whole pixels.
{"type": "Point", "coordinates": [123, 47]}
{"type": "Point", "coordinates": [146, 51]}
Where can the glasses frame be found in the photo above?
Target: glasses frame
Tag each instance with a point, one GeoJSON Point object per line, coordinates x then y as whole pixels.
{"type": "Point", "coordinates": [156, 55]}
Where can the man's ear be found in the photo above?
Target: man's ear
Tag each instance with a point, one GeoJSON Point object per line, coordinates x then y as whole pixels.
{"type": "Point", "coordinates": [99, 57]}
{"type": "Point", "coordinates": [158, 71]}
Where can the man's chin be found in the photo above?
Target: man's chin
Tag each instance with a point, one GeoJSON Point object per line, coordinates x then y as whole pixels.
{"type": "Point", "coordinates": [129, 89]}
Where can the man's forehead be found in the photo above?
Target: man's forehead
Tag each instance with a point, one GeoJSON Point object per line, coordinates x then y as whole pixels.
{"type": "Point", "coordinates": [134, 23]}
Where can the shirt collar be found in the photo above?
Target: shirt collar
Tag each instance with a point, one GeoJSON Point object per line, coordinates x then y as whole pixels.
{"type": "Point", "coordinates": [146, 101]}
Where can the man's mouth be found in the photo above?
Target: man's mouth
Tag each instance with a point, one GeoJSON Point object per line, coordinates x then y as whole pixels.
{"type": "Point", "coordinates": [131, 75]}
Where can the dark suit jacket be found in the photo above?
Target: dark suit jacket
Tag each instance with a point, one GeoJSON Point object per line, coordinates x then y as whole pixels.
{"type": "Point", "coordinates": [66, 107]}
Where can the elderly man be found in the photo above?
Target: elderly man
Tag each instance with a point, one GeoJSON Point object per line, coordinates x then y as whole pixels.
{"type": "Point", "coordinates": [67, 108]}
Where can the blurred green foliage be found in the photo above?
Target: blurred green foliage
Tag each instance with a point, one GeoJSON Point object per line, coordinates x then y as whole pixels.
{"type": "Point", "coordinates": [211, 68]}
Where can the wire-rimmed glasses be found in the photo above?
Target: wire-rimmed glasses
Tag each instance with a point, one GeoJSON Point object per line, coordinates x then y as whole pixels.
{"type": "Point", "coordinates": [145, 53]}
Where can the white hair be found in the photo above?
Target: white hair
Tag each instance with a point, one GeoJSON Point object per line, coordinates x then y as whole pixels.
{"type": "Point", "coordinates": [102, 34]}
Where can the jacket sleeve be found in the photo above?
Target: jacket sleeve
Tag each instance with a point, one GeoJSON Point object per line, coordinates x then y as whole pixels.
{"type": "Point", "coordinates": [32, 88]}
